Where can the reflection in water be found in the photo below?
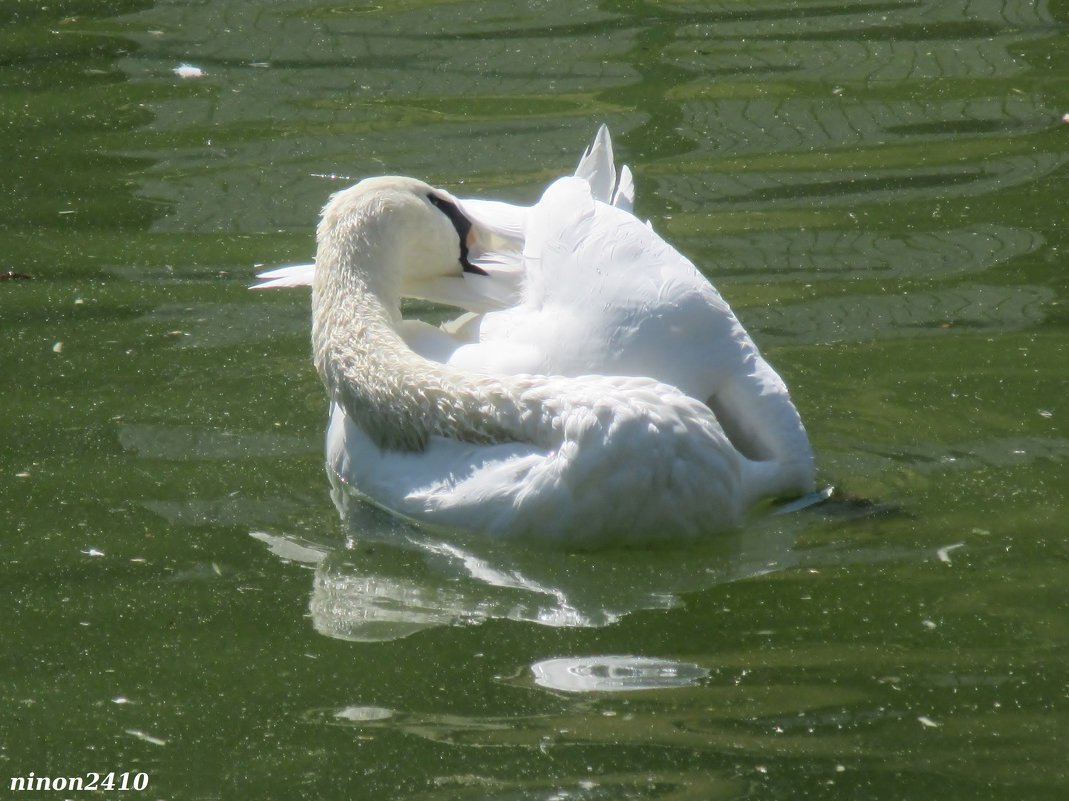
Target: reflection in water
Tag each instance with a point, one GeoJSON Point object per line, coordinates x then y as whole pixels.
{"type": "Point", "coordinates": [606, 674]}
{"type": "Point", "coordinates": [396, 578]}
{"type": "Point", "coordinates": [291, 549]}
{"type": "Point", "coordinates": [393, 578]}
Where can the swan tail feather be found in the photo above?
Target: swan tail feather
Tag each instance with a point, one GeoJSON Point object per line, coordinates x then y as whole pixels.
{"type": "Point", "coordinates": [596, 166]}
{"type": "Point", "coordinates": [624, 197]}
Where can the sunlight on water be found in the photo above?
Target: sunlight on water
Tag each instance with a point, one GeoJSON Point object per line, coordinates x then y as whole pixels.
{"type": "Point", "coordinates": [874, 187]}
{"type": "Point", "coordinates": [609, 674]}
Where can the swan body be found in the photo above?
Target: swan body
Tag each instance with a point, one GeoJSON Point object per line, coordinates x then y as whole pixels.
{"type": "Point", "coordinates": [599, 390]}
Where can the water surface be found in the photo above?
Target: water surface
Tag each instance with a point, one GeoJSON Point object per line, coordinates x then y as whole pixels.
{"type": "Point", "coordinates": [874, 186]}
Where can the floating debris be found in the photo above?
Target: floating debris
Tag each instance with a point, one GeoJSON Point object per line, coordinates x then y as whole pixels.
{"type": "Point", "coordinates": [329, 176]}
{"type": "Point", "coordinates": [11, 275]}
{"type": "Point", "coordinates": [186, 71]}
{"type": "Point", "coordinates": [944, 552]}
{"type": "Point", "coordinates": [57, 347]}
{"type": "Point", "coordinates": [148, 738]}
{"type": "Point", "coordinates": [928, 723]}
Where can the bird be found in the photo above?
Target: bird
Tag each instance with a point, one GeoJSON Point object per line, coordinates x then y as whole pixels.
{"type": "Point", "coordinates": [596, 390]}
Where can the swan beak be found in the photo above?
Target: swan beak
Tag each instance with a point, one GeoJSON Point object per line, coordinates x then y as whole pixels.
{"type": "Point", "coordinates": [491, 256]}
{"type": "Point", "coordinates": [496, 237]}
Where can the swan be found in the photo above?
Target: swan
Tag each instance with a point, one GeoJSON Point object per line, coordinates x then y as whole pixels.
{"type": "Point", "coordinates": [598, 390]}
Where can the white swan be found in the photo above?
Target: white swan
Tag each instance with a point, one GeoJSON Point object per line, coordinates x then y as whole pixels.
{"type": "Point", "coordinates": [601, 392]}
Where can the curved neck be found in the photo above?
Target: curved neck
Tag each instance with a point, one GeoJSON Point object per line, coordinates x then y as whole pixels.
{"type": "Point", "coordinates": [397, 397]}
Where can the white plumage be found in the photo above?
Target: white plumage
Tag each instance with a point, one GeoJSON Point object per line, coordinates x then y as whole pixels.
{"type": "Point", "coordinates": [599, 391]}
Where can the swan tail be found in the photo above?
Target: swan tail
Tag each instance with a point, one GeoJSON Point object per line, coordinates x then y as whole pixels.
{"type": "Point", "coordinates": [624, 198]}
{"type": "Point", "coordinates": [293, 275]}
{"type": "Point", "coordinates": [596, 166]}
{"type": "Point", "coordinates": [598, 169]}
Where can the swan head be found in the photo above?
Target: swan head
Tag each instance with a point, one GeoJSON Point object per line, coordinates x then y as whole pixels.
{"type": "Point", "coordinates": [406, 238]}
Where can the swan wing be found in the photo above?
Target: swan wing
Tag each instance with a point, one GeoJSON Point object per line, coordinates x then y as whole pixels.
{"type": "Point", "coordinates": [637, 461]}
{"type": "Point", "coordinates": [604, 294]}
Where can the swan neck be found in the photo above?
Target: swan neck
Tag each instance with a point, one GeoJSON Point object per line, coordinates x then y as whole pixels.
{"type": "Point", "coordinates": [356, 269]}
{"type": "Point", "coordinates": [396, 396]}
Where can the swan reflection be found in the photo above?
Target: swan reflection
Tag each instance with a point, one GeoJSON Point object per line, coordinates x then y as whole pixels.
{"type": "Point", "coordinates": [393, 578]}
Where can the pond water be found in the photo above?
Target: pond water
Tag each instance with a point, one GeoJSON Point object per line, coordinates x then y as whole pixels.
{"type": "Point", "coordinates": [876, 188]}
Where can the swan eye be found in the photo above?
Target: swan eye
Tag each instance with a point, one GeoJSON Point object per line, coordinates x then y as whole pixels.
{"type": "Point", "coordinates": [462, 225]}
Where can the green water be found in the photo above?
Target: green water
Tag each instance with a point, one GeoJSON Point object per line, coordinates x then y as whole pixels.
{"type": "Point", "coordinates": [876, 187]}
